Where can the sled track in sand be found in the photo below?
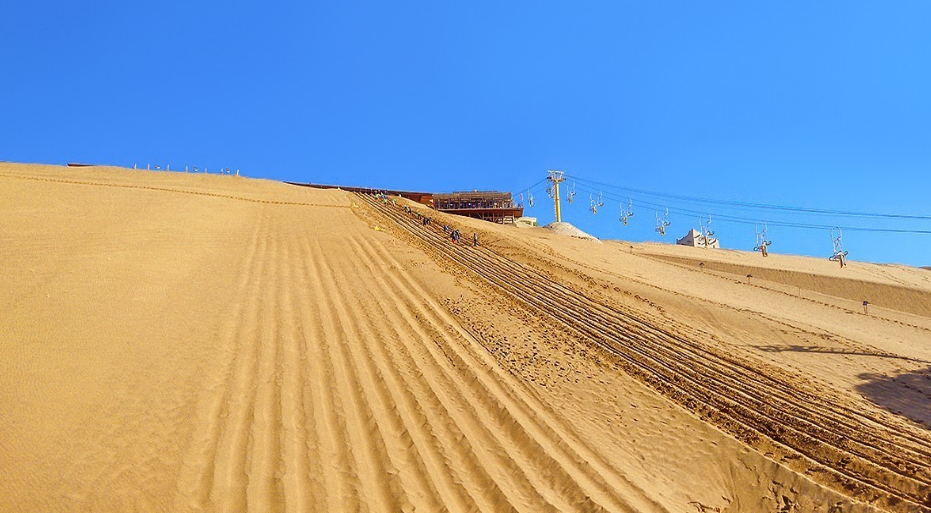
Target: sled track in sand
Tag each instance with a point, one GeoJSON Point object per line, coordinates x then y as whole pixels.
{"type": "Point", "coordinates": [863, 454]}
{"type": "Point", "coordinates": [338, 393]}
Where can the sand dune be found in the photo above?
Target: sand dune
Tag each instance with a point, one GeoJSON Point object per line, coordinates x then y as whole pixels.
{"type": "Point", "coordinates": [180, 342]}
{"type": "Point", "coordinates": [901, 288]}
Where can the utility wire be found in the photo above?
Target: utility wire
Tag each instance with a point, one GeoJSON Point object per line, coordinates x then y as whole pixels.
{"type": "Point", "coordinates": [531, 188]}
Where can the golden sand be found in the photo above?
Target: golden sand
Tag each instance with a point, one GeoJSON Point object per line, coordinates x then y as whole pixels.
{"type": "Point", "coordinates": [182, 342]}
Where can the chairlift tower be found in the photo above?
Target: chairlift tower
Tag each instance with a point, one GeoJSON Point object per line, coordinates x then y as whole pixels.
{"type": "Point", "coordinates": [555, 178]}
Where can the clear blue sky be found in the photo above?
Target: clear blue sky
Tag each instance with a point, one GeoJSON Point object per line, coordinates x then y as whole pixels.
{"type": "Point", "coordinates": [812, 104]}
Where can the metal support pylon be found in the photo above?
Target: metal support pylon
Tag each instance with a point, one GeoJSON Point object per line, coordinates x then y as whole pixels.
{"type": "Point", "coordinates": [555, 178]}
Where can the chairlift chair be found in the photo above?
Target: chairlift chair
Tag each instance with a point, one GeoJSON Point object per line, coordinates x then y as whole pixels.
{"type": "Point", "coordinates": [840, 255]}
{"type": "Point", "coordinates": [570, 194]}
{"type": "Point", "coordinates": [762, 241]}
{"type": "Point", "coordinates": [707, 234]}
{"type": "Point", "coordinates": [627, 214]}
{"type": "Point", "coordinates": [662, 223]}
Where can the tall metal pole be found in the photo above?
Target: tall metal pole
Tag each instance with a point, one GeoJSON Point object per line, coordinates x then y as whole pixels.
{"type": "Point", "coordinates": [558, 210]}
{"type": "Point", "coordinates": [556, 177]}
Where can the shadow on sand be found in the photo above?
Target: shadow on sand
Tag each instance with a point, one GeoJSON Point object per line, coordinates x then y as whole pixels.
{"type": "Point", "coordinates": [907, 394]}
{"type": "Point", "coordinates": [798, 348]}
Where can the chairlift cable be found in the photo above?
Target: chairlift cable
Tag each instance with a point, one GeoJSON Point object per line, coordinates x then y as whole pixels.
{"type": "Point", "coordinates": [751, 221]}
{"type": "Point", "coordinates": [751, 205]}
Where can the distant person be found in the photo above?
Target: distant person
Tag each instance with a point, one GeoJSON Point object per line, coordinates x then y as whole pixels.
{"type": "Point", "coordinates": [474, 239]}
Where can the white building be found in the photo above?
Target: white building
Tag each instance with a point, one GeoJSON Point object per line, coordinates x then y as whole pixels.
{"type": "Point", "coordinates": [525, 221]}
{"type": "Point", "coordinates": [696, 239]}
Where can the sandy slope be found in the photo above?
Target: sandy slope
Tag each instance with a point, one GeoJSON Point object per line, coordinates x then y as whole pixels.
{"type": "Point", "coordinates": [207, 343]}
{"type": "Point", "coordinates": [787, 413]}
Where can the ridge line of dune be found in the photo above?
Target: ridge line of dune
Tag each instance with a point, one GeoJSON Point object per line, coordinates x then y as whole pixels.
{"type": "Point", "coordinates": [194, 481]}
{"type": "Point", "coordinates": [438, 436]}
{"type": "Point", "coordinates": [172, 189]}
{"type": "Point", "coordinates": [378, 388]}
{"type": "Point", "coordinates": [298, 486]}
{"type": "Point", "coordinates": [531, 414]}
{"type": "Point", "coordinates": [491, 452]}
{"type": "Point", "coordinates": [342, 478]}
{"type": "Point", "coordinates": [525, 427]}
{"type": "Point", "coordinates": [367, 441]}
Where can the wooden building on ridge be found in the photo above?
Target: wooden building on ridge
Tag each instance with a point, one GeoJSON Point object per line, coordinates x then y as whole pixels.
{"type": "Point", "coordinates": [494, 206]}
